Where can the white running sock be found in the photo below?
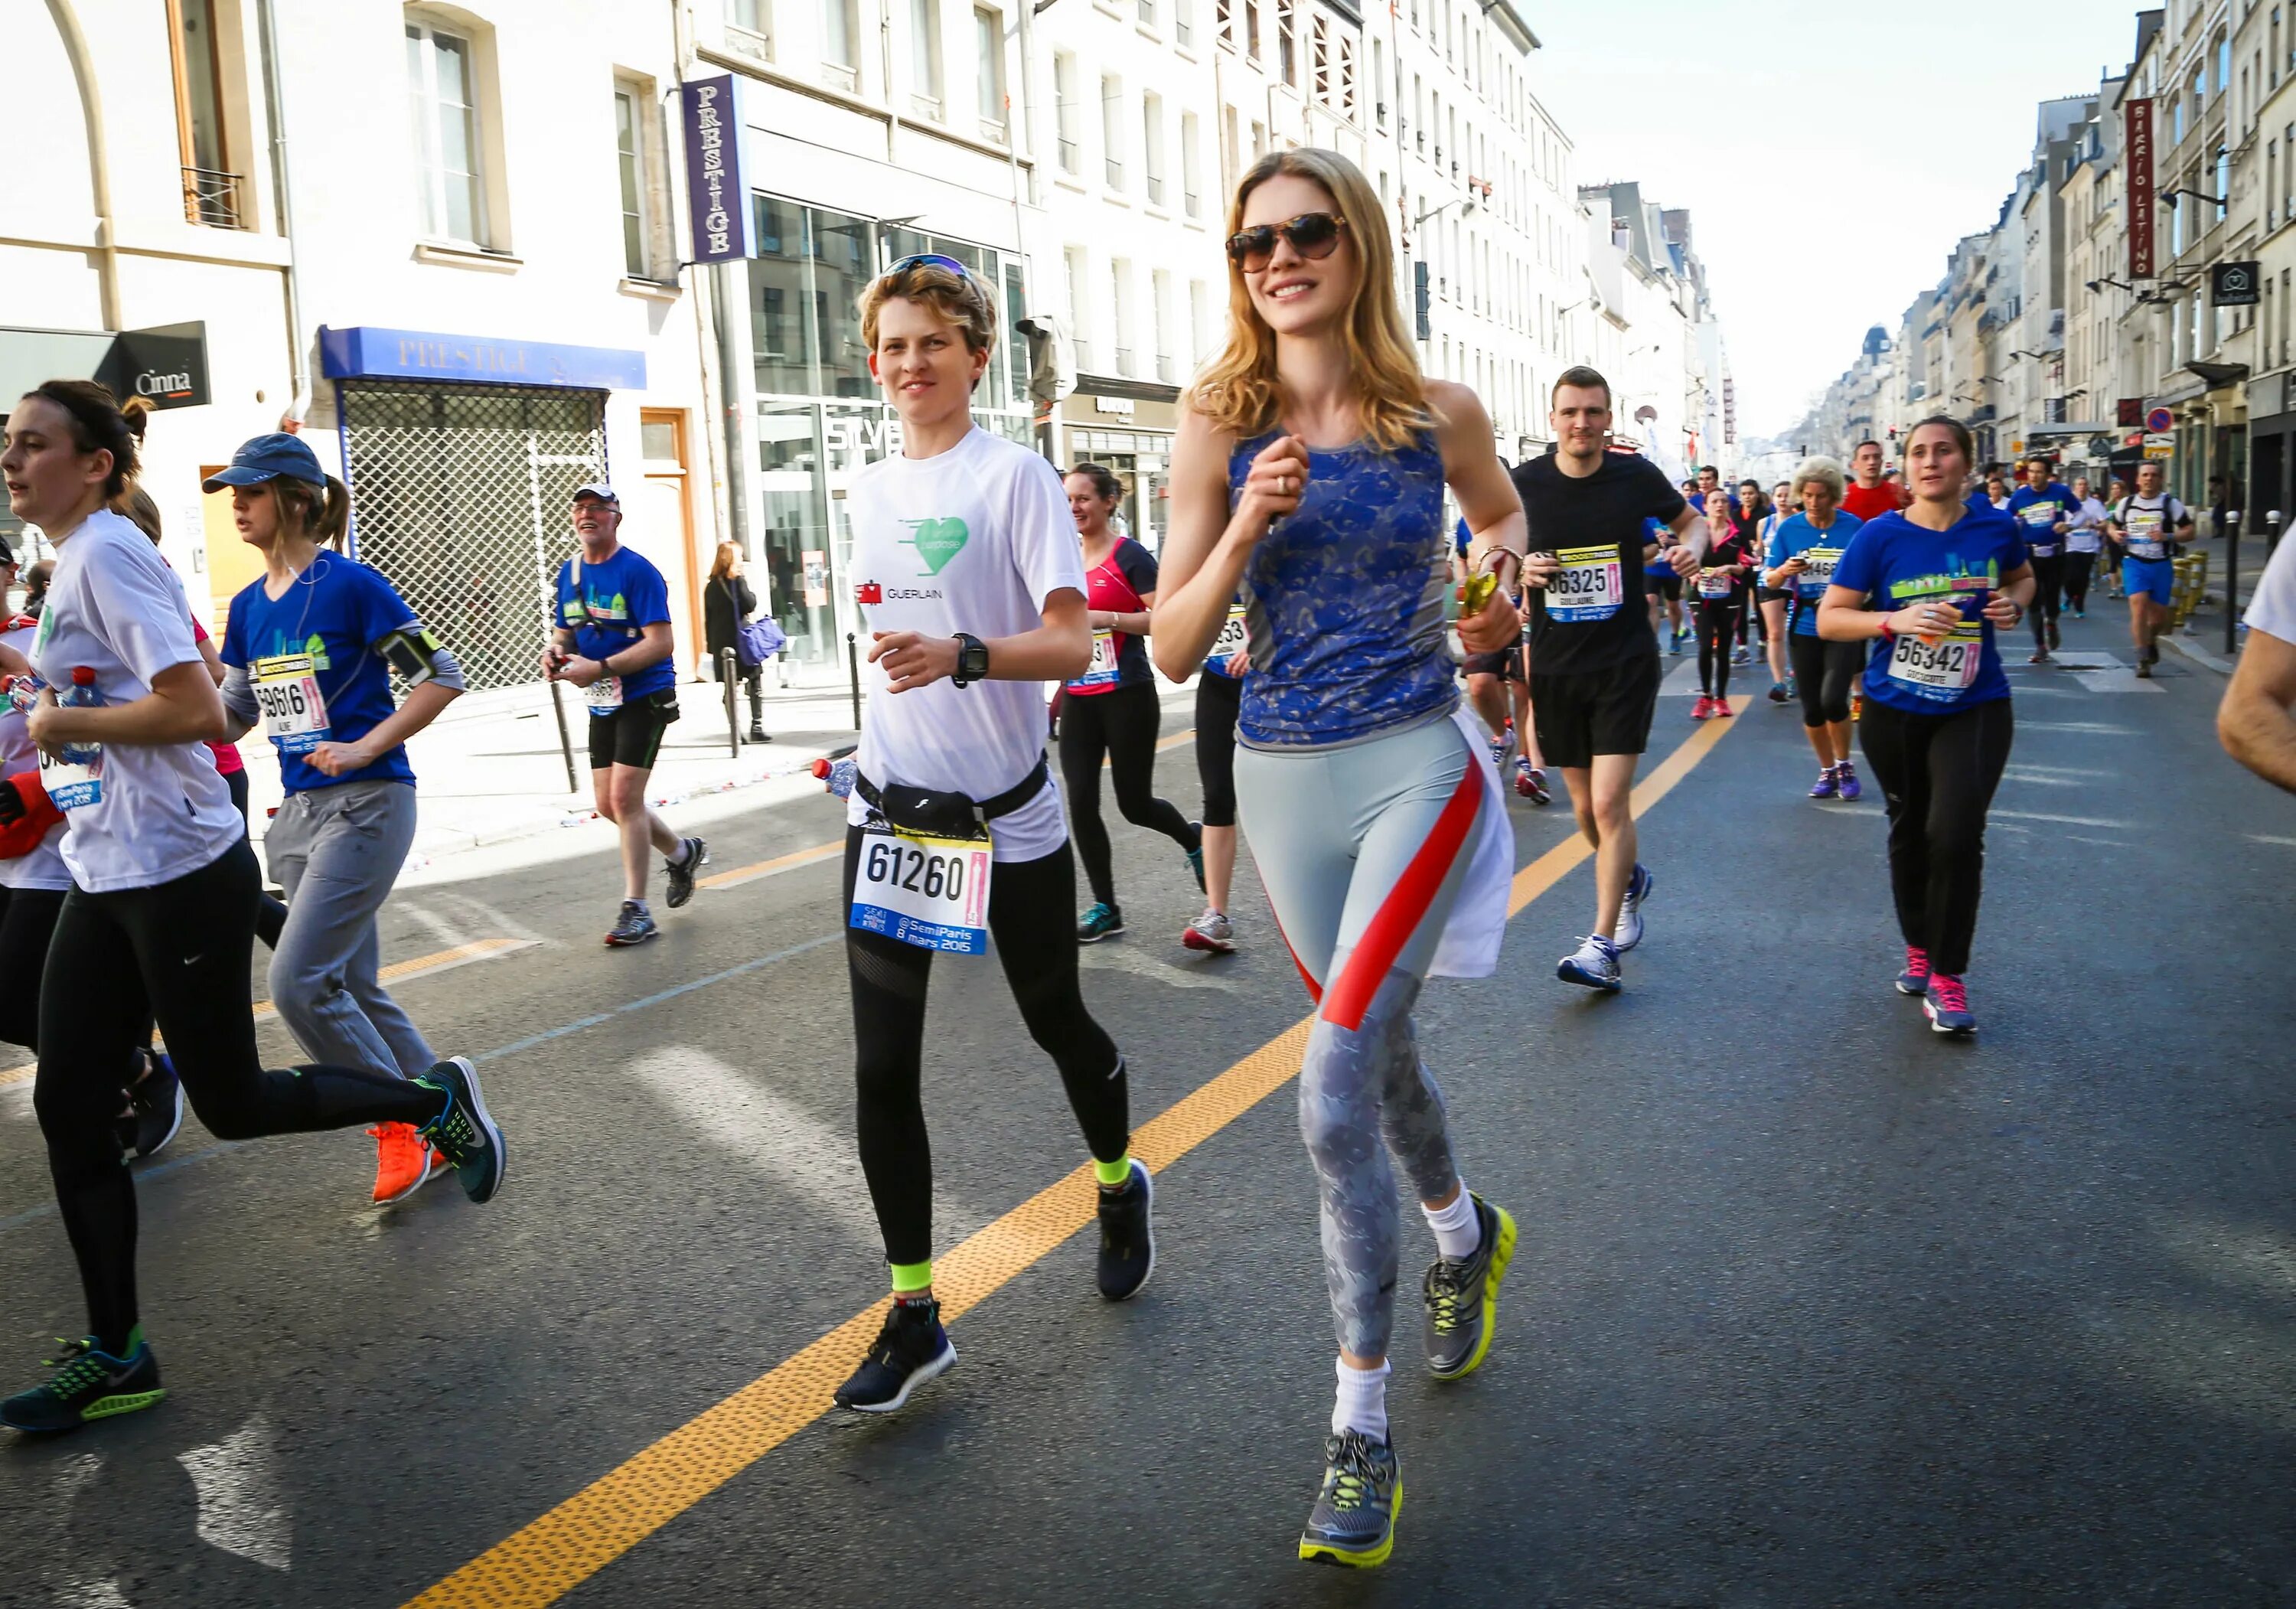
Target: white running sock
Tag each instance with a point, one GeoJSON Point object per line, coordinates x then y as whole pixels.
{"type": "Point", "coordinates": [1362, 1403]}
{"type": "Point", "coordinates": [1457, 1231]}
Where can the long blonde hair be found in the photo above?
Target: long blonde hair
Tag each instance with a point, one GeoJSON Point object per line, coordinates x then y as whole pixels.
{"type": "Point", "coordinates": [729, 554]}
{"type": "Point", "coordinates": [1239, 391]}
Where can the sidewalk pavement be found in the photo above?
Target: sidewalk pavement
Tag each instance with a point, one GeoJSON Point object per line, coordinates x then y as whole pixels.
{"type": "Point", "coordinates": [491, 770]}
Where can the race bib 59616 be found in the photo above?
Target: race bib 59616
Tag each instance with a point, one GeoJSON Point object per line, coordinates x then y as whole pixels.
{"type": "Point", "coordinates": [294, 710]}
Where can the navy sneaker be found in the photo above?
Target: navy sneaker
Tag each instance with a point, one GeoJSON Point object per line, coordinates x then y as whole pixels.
{"type": "Point", "coordinates": [1851, 788]}
{"type": "Point", "coordinates": [87, 1384]}
{"type": "Point", "coordinates": [1828, 785]}
{"type": "Point", "coordinates": [1099, 922]}
{"type": "Point", "coordinates": [157, 1100]}
{"type": "Point", "coordinates": [1463, 1296]}
{"type": "Point", "coordinates": [680, 872]}
{"type": "Point", "coordinates": [911, 1349]}
{"type": "Point", "coordinates": [1595, 964]}
{"type": "Point", "coordinates": [1916, 979]}
{"type": "Point", "coordinates": [1127, 1238]}
{"type": "Point", "coordinates": [465, 1133]}
{"type": "Point", "coordinates": [1630, 908]}
{"type": "Point", "coordinates": [635, 925]}
{"type": "Point", "coordinates": [1947, 1007]}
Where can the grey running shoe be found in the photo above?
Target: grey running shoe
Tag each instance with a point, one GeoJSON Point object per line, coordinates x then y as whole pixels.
{"type": "Point", "coordinates": [635, 925]}
{"type": "Point", "coordinates": [681, 872]}
{"type": "Point", "coordinates": [1638, 893]}
{"type": "Point", "coordinates": [1210, 932]}
{"type": "Point", "coordinates": [1463, 1296]}
{"type": "Point", "coordinates": [1353, 1521]}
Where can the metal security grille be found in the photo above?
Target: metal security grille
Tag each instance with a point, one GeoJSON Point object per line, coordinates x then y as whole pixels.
{"type": "Point", "coordinates": [461, 495]}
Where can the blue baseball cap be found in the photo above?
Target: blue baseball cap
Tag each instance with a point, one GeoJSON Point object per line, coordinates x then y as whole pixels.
{"type": "Point", "coordinates": [269, 458]}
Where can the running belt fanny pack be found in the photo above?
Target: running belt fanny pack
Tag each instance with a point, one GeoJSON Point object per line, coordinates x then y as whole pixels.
{"type": "Point", "coordinates": [937, 814]}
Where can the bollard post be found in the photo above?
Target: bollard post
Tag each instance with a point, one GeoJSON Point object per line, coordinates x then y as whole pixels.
{"type": "Point", "coordinates": [2231, 582]}
{"type": "Point", "coordinates": [729, 672]}
{"type": "Point", "coordinates": [853, 673]}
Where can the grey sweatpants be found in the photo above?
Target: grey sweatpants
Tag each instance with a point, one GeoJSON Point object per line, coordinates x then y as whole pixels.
{"type": "Point", "coordinates": [1362, 849]}
{"type": "Point", "coordinates": [337, 851]}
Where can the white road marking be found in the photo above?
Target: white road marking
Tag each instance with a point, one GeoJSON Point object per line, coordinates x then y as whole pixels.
{"type": "Point", "coordinates": [2037, 771]}
{"type": "Point", "coordinates": [2116, 680]}
{"type": "Point", "coordinates": [431, 922]}
{"type": "Point", "coordinates": [2269, 838]}
{"type": "Point", "coordinates": [2071, 821]}
{"type": "Point", "coordinates": [2093, 728]}
{"type": "Point", "coordinates": [2084, 659]}
{"type": "Point", "coordinates": [739, 1114]}
{"type": "Point", "coordinates": [240, 1506]}
{"type": "Point", "coordinates": [2111, 843]}
{"type": "Point", "coordinates": [2032, 780]}
{"type": "Point", "coordinates": [491, 920]}
{"type": "Point", "coordinates": [1114, 955]}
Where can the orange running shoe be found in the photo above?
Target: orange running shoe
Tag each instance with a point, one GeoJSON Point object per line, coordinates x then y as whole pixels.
{"type": "Point", "coordinates": [401, 1162]}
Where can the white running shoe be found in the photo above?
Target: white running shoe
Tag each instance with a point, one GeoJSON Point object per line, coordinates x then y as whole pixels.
{"type": "Point", "coordinates": [1595, 964]}
{"type": "Point", "coordinates": [1210, 932]}
{"type": "Point", "coordinates": [1631, 907]}
{"type": "Point", "coordinates": [1503, 749]}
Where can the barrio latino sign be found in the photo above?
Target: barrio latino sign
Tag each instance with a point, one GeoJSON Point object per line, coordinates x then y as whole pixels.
{"type": "Point", "coordinates": [715, 197]}
{"type": "Point", "coordinates": [2136, 152]}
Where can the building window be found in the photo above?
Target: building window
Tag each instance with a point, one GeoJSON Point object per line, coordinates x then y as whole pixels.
{"type": "Point", "coordinates": [2223, 62]}
{"type": "Point", "coordinates": [1319, 60]}
{"type": "Point", "coordinates": [988, 45]}
{"type": "Point", "coordinates": [1183, 28]}
{"type": "Point", "coordinates": [1119, 315]}
{"type": "Point", "coordinates": [1200, 323]}
{"type": "Point", "coordinates": [629, 162]}
{"type": "Point", "coordinates": [750, 27]}
{"type": "Point", "coordinates": [1065, 113]}
{"type": "Point", "coordinates": [1379, 80]}
{"type": "Point", "coordinates": [1160, 290]}
{"type": "Point", "coordinates": [1252, 28]}
{"type": "Point", "coordinates": [1190, 165]}
{"type": "Point", "coordinates": [1347, 76]}
{"type": "Point", "coordinates": [1079, 313]}
{"type": "Point", "coordinates": [839, 29]}
{"type": "Point", "coordinates": [1151, 147]}
{"type": "Point", "coordinates": [2223, 181]}
{"type": "Point", "coordinates": [1287, 55]}
{"type": "Point", "coordinates": [1147, 13]}
{"type": "Point", "coordinates": [212, 191]}
{"type": "Point", "coordinates": [442, 87]}
{"type": "Point", "coordinates": [1112, 130]}
{"type": "Point", "coordinates": [1224, 22]}
{"type": "Point", "coordinates": [925, 59]}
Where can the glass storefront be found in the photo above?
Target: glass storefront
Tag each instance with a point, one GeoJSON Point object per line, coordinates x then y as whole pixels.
{"type": "Point", "coordinates": [817, 416]}
{"type": "Point", "coordinates": [1142, 461]}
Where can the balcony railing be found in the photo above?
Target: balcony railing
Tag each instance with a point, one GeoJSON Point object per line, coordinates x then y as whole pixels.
{"type": "Point", "coordinates": [212, 198]}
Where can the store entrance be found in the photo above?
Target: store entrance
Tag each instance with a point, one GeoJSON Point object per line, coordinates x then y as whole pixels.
{"type": "Point", "coordinates": [807, 455]}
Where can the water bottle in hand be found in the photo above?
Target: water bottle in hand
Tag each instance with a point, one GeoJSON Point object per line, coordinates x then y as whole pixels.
{"type": "Point", "coordinates": [82, 694]}
{"type": "Point", "coordinates": [837, 774]}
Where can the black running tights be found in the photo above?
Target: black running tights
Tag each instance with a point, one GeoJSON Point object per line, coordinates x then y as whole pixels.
{"type": "Point", "coordinates": [1825, 673]}
{"type": "Point", "coordinates": [2077, 566]}
{"type": "Point", "coordinates": [1032, 919]}
{"type": "Point", "coordinates": [180, 948]}
{"type": "Point", "coordinates": [1938, 773]}
{"type": "Point", "coordinates": [1718, 624]}
{"type": "Point", "coordinates": [2048, 593]}
{"type": "Point", "coordinates": [1122, 726]}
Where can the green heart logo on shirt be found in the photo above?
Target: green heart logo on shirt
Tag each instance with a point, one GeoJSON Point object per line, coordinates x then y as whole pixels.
{"type": "Point", "coordinates": [938, 541]}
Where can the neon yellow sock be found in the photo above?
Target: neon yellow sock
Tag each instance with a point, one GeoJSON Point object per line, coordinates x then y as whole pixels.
{"type": "Point", "coordinates": [1115, 1173]}
{"type": "Point", "coordinates": [909, 1277]}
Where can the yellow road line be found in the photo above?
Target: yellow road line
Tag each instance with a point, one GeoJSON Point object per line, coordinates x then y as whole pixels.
{"type": "Point", "coordinates": [446, 960]}
{"type": "Point", "coordinates": [550, 1555]}
{"type": "Point", "coordinates": [819, 852]}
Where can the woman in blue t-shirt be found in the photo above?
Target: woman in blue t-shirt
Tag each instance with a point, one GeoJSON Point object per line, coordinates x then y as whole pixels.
{"type": "Point", "coordinates": [1937, 725]}
{"type": "Point", "coordinates": [1801, 559]}
{"type": "Point", "coordinates": [308, 652]}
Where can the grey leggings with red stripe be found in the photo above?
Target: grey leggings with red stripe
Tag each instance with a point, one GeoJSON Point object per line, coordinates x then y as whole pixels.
{"type": "Point", "coordinates": [1362, 850]}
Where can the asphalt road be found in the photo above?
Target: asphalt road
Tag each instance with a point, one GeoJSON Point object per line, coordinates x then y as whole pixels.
{"type": "Point", "coordinates": [1810, 1306]}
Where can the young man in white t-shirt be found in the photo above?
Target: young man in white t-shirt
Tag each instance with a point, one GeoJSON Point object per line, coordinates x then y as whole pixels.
{"type": "Point", "coordinates": [969, 578]}
{"type": "Point", "coordinates": [2149, 528]}
{"type": "Point", "coordinates": [2258, 719]}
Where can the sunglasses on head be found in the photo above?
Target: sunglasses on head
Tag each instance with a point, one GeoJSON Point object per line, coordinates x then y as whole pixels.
{"type": "Point", "coordinates": [930, 260]}
{"type": "Point", "coordinates": [1314, 235]}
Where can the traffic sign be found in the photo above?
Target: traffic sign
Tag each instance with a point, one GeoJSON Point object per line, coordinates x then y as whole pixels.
{"type": "Point", "coordinates": [2160, 444]}
{"type": "Point", "coordinates": [2160, 421]}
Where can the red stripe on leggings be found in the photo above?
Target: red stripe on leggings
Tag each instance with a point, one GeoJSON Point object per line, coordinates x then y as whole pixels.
{"type": "Point", "coordinates": [1400, 914]}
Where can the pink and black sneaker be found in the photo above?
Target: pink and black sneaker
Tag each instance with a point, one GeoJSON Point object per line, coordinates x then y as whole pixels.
{"type": "Point", "coordinates": [1946, 1006]}
{"type": "Point", "coordinates": [1916, 979]}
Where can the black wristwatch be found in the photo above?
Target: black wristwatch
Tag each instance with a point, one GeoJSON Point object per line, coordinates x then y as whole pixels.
{"type": "Point", "coordinates": [972, 659]}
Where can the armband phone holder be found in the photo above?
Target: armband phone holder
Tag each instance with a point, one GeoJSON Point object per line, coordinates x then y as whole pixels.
{"type": "Point", "coordinates": [409, 652]}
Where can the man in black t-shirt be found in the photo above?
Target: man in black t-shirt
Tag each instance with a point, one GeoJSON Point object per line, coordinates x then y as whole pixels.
{"type": "Point", "coordinates": [1594, 655]}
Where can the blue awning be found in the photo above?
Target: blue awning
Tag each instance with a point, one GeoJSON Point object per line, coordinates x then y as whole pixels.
{"type": "Point", "coordinates": [367, 352]}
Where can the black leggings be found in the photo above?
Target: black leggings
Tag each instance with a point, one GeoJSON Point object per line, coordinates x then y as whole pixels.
{"type": "Point", "coordinates": [1718, 620]}
{"type": "Point", "coordinates": [116, 958]}
{"type": "Point", "coordinates": [1219, 699]}
{"type": "Point", "coordinates": [1825, 673]}
{"type": "Point", "coordinates": [27, 917]}
{"type": "Point", "coordinates": [1030, 906]}
{"type": "Point", "coordinates": [1938, 773]}
{"type": "Point", "coordinates": [270, 915]}
{"type": "Point", "coordinates": [1121, 724]}
{"type": "Point", "coordinates": [2077, 566]}
{"type": "Point", "coordinates": [753, 683]}
{"type": "Point", "coordinates": [2048, 589]}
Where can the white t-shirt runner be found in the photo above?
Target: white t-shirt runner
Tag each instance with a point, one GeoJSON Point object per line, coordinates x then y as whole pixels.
{"type": "Point", "coordinates": [2148, 526]}
{"type": "Point", "coordinates": [2273, 608]}
{"type": "Point", "coordinates": [976, 539]}
{"type": "Point", "coordinates": [44, 866]}
{"type": "Point", "coordinates": [114, 607]}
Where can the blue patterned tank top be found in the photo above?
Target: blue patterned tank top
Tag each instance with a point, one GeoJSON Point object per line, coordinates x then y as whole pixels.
{"type": "Point", "coordinates": [1344, 600]}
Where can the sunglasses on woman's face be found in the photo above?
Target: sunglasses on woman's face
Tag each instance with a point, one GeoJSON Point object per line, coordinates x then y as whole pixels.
{"type": "Point", "coordinates": [1314, 235]}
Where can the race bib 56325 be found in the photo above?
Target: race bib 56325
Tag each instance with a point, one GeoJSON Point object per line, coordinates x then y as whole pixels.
{"type": "Point", "coordinates": [1587, 587]}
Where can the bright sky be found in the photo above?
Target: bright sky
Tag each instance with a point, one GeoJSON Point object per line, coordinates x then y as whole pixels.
{"type": "Point", "coordinates": [1830, 151]}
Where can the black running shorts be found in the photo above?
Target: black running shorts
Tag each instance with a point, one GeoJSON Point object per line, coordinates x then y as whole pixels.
{"type": "Point", "coordinates": [1506, 664]}
{"type": "Point", "coordinates": [1666, 586]}
{"type": "Point", "coordinates": [632, 735]}
{"type": "Point", "coordinates": [1581, 714]}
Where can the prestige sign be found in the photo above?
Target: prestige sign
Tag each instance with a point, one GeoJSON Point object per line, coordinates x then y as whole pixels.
{"type": "Point", "coordinates": [2136, 148]}
{"type": "Point", "coordinates": [715, 197]}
